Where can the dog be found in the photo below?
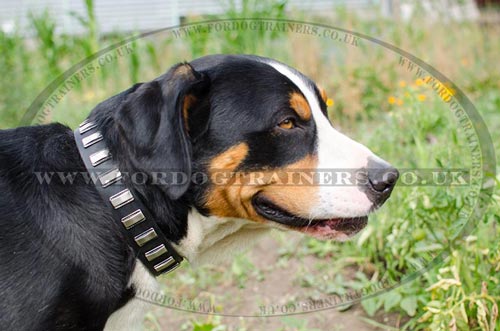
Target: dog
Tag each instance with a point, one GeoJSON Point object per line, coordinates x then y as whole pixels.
{"type": "Point", "coordinates": [65, 261]}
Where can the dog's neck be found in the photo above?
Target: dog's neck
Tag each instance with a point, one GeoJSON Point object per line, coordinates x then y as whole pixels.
{"type": "Point", "coordinates": [200, 239]}
{"type": "Point", "coordinates": [213, 239]}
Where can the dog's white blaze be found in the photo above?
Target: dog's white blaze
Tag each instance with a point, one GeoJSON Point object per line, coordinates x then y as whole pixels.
{"type": "Point", "coordinates": [336, 153]}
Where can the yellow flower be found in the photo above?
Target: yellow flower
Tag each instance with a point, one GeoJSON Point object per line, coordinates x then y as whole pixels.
{"type": "Point", "coordinates": [421, 97]}
{"type": "Point", "coordinates": [419, 82]}
{"type": "Point", "coordinates": [330, 102]}
{"type": "Point", "coordinates": [402, 83]}
{"type": "Point", "coordinates": [391, 100]}
{"type": "Point", "coordinates": [464, 61]}
{"type": "Point", "coordinates": [399, 102]}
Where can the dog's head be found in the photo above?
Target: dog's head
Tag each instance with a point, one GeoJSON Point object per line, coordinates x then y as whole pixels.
{"type": "Point", "coordinates": [253, 138]}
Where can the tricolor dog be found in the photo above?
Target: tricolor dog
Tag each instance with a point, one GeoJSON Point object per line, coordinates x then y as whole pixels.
{"type": "Point", "coordinates": [73, 253]}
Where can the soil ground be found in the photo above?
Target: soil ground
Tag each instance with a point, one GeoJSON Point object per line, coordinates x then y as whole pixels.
{"type": "Point", "coordinates": [275, 285]}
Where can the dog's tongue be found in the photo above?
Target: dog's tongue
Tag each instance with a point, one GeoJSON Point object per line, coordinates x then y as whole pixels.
{"type": "Point", "coordinates": [336, 228]}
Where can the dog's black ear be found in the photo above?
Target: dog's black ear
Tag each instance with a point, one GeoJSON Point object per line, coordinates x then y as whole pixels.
{"type": "Point", "coordinates": [153, 123]}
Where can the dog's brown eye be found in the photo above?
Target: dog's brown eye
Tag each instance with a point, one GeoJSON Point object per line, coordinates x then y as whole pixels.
{"type": "Point", "coordinates": [288, 123]}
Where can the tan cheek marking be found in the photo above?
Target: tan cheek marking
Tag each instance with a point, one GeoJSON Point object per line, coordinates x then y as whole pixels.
{"type": "Point", "coordinates": [229, 196]}
{"type": "Point", "coordinates": [300, 192]}
{"type": "Point", "coordinates": [232, 197]}
{"type": "Point", "coordinates": [230, 159]}
{"type": "Point", "coordinates": [300, 105]}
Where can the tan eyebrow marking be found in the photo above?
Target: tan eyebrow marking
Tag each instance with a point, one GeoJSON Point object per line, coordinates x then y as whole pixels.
{"type": "Point", "coordinates": [300, 105]}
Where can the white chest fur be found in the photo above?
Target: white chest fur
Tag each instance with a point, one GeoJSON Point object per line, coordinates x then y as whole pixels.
{"type": "Point", "coordinates": [215, 239]}
{"type": "Point", "coordinates": [131, 316]}
{"type": "Point", "coordinates": [208, 240]}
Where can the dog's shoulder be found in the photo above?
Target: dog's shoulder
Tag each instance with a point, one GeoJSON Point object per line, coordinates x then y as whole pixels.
{"type": "Point", "coordinates": [58, 246]}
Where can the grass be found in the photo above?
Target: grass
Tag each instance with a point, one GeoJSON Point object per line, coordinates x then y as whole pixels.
{"type": "Point", "coordinates": [381, 105]}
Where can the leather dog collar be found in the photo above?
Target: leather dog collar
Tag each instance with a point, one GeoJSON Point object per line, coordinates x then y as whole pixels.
{"type": "Point", "coordinates": [143, 234]}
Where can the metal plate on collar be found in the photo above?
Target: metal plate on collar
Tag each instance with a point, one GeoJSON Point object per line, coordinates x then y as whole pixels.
{"type": "Point", "coordinates": [121, 198]}
{"type": "Point", "coordinates": [151, 246]}
{"type": "Point", "coordinates": [133, 218]}
{"type": "Point", "coordinates": [145, 237]}
{"type": "Point", "coordinates": [166, 264]}
{"type": "Point", "coordinates": [87, 126]}
{"type": "Point", "coordinates": [84, 122]}
{"type": "Point", "coordinates": [110, 177]}
{"type": "Point", "coordinates": [99, 157]}
{"type": "Point", "coordinates": [156, 252]}
{"type": "Point", "coordinates": [91, 139]}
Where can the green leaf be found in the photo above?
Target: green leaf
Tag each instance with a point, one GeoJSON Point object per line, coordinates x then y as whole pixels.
{"type": "Point", "coordinates": [409, 305]}
{"type": "Point", "coordinates": [236, 268]}
{"type": "Point", "coordinates": [203, 327]}
{"type": "Point", "coordinates": [371, 305]}
{"type": "Point", "coordinates": [391, 300]}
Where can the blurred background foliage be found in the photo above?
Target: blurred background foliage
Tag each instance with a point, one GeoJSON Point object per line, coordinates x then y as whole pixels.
{"type": "Point", "coordinates": [373, 100]}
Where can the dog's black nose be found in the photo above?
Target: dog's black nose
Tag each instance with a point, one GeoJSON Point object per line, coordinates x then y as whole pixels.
{"type": "Point", "coordinates": [381, 180]}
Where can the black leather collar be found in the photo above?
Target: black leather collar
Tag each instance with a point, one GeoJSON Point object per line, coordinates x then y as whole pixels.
{"type": "Point", "coordinates": [143, 234]}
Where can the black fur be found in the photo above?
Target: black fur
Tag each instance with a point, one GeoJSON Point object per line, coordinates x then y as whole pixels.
{"type": "Point", "coordinates": [64, 263]}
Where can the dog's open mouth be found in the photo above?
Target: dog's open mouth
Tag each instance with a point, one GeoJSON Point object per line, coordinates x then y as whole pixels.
{"type": "Point", "coordinates": [335, 228]}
